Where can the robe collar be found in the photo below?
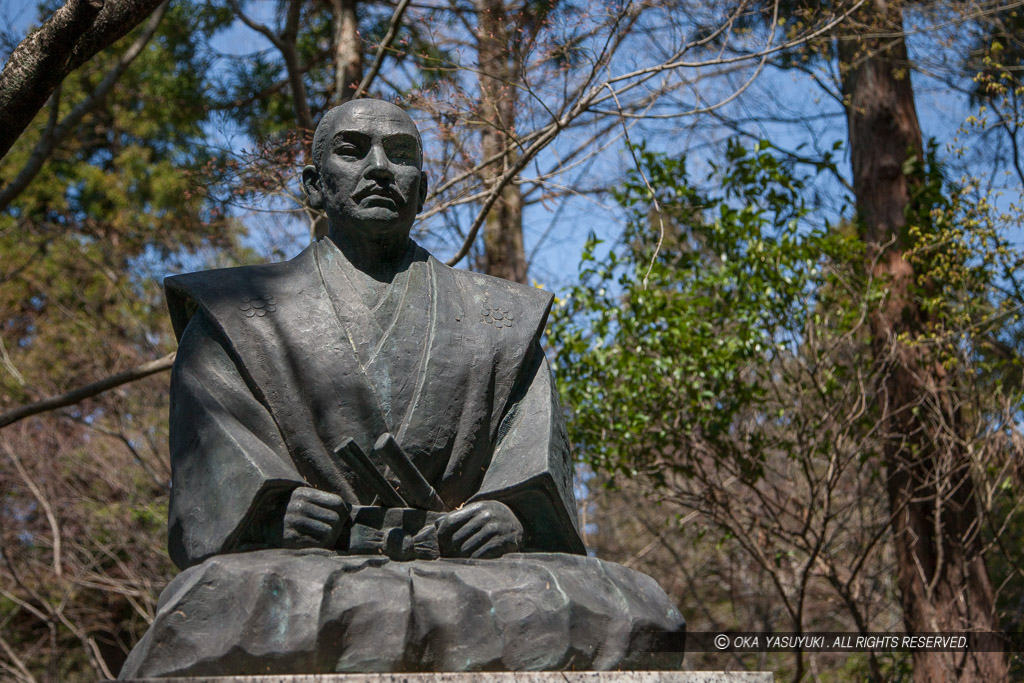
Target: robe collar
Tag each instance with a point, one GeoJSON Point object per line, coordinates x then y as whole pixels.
{"type": "Point", "coordinates": [390, 335]}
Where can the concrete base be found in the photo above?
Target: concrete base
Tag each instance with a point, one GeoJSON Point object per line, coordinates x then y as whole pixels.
{"type": "Point", "coordinates": [499, 677]}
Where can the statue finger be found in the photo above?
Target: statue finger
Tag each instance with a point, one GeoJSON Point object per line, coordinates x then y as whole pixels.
{"type": "Point", "coordinates": [312, 527]}
{"type": "Point", "coordinates": [452, 522]}
{"type": "Point", "coordinates": [468, 530]}
{"type": "Point", "coordinates": [479, 540]}
{"type": "Point", "coordinates": [295, 539]}
{"type": "Point", "coordinates": [322, 499]}
{"type": "Point", "coordinates": [495, 548]}
{"type": "Point", "coordinates": [328, 516]}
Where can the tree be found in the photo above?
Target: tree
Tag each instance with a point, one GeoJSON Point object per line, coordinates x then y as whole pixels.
{"type": "Point", "coordinates": [935, 516]}
{"type": "Point", "coordinates": [506, 35]}
{"type": "Point", "coordinates": [937, 511]}
{"type": "Point", "coordinates": [729, 368]}
{"type": "Point", "coordinates": [717, 366]}
{"type": "Point", "coordinates": [75, 33]}
{"type": "Point", "coordinates": [117, 198]}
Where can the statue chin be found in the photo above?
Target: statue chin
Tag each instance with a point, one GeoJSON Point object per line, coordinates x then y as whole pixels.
{"type": "Point", "coordinates": [379, 224]}
{"type": "Point", "coordinates": [313, 611]}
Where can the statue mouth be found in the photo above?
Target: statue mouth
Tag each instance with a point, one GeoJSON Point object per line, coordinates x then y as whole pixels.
{"type": "Point", "coordinates": [378, 195]}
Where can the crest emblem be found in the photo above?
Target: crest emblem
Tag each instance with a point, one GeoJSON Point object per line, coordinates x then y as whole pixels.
{"type": "Point", "coordinates": [258, 306]}
{"type": "Point", "coordinates": [497, 316]}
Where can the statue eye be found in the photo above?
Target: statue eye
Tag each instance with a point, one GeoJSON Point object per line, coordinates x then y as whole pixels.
{"type": "Point", "coordinates": [404, 155]}
{"type": "Point", "coordinates": [347, 149]}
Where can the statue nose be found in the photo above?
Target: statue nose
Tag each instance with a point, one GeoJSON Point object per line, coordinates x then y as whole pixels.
{"type": "Point", "coordinates": [380, 165]}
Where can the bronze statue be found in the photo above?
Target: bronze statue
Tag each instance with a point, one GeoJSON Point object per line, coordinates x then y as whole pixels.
{"type": "Point", "coordinates": [341, 421]}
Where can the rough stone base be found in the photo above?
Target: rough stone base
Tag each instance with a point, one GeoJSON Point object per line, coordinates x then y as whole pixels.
{"type": "Point", "coordinates": [283, 612]}
{"type": "Point", "coordinates": [493, 677]}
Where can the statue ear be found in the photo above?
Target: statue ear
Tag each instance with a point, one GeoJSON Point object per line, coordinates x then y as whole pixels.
{"type": "Point", "coordinates": [423, 190]}
{"type": "Point", "coordinates": [311, 185]}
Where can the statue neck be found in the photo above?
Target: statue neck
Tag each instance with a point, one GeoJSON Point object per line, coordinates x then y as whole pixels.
{"type": "Point", "coordinates": [379, 259]}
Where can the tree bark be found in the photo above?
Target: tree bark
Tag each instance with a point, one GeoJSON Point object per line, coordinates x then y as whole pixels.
{"type": "Point", "coordinates": [72, 35]}
{"type": "Point", "coordinates": [504, 254]}
{"type": "Point", "coordinates": [941, 571]}
{"type": "Point", "coordinates": [53, 135]}
{"type": "Point", "coordinates": [348, 50]}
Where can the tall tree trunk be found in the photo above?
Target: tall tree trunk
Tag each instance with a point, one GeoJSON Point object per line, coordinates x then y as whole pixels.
{"type": "Point", "coordinates": [935, 518]}
{"type": "Point", "coordinates": [503, 230]}
{"type": "Point", "coordinates": [348, 51]}
{"type": "Point", "coordinates": [348, 72]}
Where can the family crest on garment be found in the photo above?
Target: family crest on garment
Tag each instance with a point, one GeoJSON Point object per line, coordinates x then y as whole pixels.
{"type": "Point", "coordinates": [261, 401]}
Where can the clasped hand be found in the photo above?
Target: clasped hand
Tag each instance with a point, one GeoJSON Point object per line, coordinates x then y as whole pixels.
{"type": "Point", "coordinates": [485, 529]}
{"type": "Point", "coordinates": [314, 519]}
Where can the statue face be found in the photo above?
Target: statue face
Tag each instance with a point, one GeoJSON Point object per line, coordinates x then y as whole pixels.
{"type": "Point", "coordinates": [369, 179]}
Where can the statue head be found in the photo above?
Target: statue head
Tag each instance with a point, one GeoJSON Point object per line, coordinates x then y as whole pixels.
{"type": "Point", "coordinates": [367, 172]}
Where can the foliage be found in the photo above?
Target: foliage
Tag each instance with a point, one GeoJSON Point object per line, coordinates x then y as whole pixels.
{"type": "Point", "coordinates": [122, 192]}
{"type": "Point", "coordinates": [720, 359]}
{"type": "Point", "coordinates": [967, 265]}
{"type": "Point", "coordinates": [119, 203]}
{"type": "Point", "coordinates": [668, 342]}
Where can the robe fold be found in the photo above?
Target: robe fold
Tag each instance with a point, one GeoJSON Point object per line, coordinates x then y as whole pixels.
{"type": "Point", "coordinates": [278, 363]}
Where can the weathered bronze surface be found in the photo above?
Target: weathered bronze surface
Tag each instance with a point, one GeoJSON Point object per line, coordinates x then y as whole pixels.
{"type": "Point", "coordinates": [370, 465]}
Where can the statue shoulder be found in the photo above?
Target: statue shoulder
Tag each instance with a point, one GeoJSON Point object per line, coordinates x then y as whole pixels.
{"type": "Point", "coordinates": [500, 303]}
{"type": "Point", "coordinates": [252, 286]}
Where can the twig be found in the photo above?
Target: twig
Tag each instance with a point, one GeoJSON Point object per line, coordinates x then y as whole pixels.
{"type": "Point", "coordinates": [47, 509]}
{"type": "Point", "coordinates": [89, 390]}
{"type": "Point", "coordinates": [16, 661]}
{"type": "Point", "coordinates": [378, 59]}
{"type": "Point", "coordinates": [650, 190]}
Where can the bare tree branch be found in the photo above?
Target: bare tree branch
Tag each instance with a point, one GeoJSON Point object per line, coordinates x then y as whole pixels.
{"type": "Point", "coordinates": [89, 390]}
{"type": "Point", "coordinates": [19, 666]}
{"type": "Point", "coordinates": [55, 133]}
{"type": "Point", "coordinates": [47, 509]}
{"type": "Point", "coordinates": [378, 59]}
{"type": "Point", "coordinates": [285, 43]}
{"type": "Point", "coordinates": [72, 35]}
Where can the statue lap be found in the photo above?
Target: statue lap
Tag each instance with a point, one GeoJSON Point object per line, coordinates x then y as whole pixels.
{"type": "Point", "coordinates": [312, 611]}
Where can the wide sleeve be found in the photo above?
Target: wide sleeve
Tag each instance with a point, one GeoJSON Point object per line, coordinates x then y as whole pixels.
{"type": "Point", "coordinates": [230, 470]}
{"type": "Point", "coordinates": [531, 468]}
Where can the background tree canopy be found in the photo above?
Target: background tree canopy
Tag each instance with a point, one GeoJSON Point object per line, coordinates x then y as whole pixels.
{"type": "Point", "coordinates": [784, 237]}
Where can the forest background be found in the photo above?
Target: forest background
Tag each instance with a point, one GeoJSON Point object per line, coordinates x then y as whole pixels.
{"type": "Point", "coordinates": [784, 235]}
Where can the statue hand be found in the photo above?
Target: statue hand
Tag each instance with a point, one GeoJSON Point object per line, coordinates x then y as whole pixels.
{"type": "Point", "coordinates": [486, 529]}
{"type": "Point", "coordinates": [313, 519]}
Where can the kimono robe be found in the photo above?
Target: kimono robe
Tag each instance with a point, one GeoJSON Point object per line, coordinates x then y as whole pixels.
{"type": "Point", "coordinates": [278, 363]}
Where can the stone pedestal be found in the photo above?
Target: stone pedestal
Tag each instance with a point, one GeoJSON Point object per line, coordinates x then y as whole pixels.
{"type": "Point", "coordinates": [281, 612]}
{"type": "Point", "coordinates": [497, 677]}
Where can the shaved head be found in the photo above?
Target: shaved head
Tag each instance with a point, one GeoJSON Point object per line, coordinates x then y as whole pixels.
{"type": "Point", "coordinates": [380, 109]}
{"type": "Point", "coordinates": [367, 175]}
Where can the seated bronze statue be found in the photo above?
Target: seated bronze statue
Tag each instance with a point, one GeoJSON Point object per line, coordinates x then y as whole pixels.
{"type": "Point", "coordinates": [370, 469]}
